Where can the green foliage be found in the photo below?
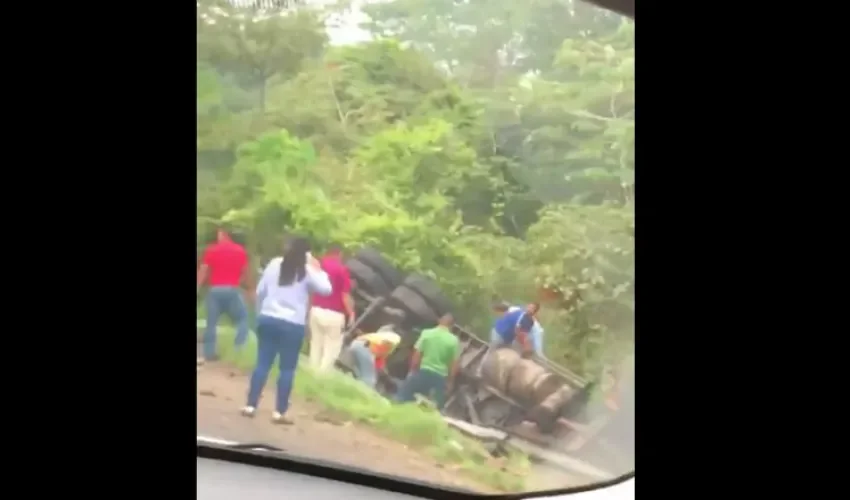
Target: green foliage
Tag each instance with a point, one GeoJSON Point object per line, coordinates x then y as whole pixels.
{"type": "Point", "coordinates": [587, 253]}
{"type": "Point", "coordinates": [498, 160]}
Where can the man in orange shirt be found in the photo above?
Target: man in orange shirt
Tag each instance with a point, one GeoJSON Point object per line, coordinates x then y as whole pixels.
{"type": "Point", "coordinates": [224, 266]}
{"type": "Point", "coordinates": [370, 352]}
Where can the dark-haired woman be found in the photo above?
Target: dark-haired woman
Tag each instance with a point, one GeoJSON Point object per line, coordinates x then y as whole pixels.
{"type": "Point", "coordinates": [283, 292]}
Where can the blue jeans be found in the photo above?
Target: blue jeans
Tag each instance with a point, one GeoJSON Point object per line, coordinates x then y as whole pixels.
{"type": "Point", "coordinates": [224, 300]}
{"type": "Point", "coordinates": [276, 337]}
{"type": "Point", "coordinates": [364, 361]}
{"type": "Point", "coordinates": [425, 382]}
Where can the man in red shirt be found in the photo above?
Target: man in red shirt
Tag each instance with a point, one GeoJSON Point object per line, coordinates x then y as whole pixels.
{"type": "Point", "coordinates": [328, 314]}
{"type": "Point", "coordinates": [224, 266]}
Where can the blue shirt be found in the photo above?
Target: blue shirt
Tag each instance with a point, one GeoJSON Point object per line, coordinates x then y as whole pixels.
{"type": "Point", "coordinates": [536, 334]}
{"type": "Point", "coordinates": [507, 324]}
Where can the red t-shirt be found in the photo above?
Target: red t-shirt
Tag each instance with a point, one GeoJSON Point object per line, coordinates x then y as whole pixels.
{"type": "Point", "coordinates": [227, 262]}
{"type": "Point", "coordinates": [341, 282]}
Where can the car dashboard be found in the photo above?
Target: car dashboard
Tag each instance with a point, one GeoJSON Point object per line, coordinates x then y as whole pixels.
{"type": "Point", "coordinates": [221, 480]}
{"type": "Point", "coordinates": [265, 474]}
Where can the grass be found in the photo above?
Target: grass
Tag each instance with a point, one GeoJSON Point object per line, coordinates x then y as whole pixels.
{"type": "Point", "coordinates": [413, 425]}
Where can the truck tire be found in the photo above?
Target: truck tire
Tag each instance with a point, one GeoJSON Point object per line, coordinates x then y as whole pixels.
{"type": "Point", "coordinates": [398, 363]}
{"type": "Point", "coordinates": [373, 258]}
{"type": "Point", "coordinates": [417, 309]}
{"type": "Point", "coordinates": [430, 291]}
{"type": "Point", "coordinates": [367, 279]}
{"type": "Point", "coordinates": [380, 318]}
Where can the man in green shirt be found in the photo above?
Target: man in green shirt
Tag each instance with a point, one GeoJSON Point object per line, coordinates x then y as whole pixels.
{"type": "Point", "coordinates": [433, 365]}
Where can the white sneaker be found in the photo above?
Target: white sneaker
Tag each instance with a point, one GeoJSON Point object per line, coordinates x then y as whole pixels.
{"type": "Point", "coordinates": [249, 411]}
{"type": "Point", "coordinates": [279, 418]}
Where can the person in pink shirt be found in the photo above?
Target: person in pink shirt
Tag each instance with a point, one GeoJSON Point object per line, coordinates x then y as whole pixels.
{"type": "Point", "coordinates": [328, 314]}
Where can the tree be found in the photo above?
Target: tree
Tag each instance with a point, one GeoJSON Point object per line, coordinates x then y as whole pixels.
{"type": "Point", "coordinates": [488, 145]}
{"type": "Point", "coordinates": [254, 47]}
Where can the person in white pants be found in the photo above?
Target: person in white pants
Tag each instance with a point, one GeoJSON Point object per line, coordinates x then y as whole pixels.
{"type": "Point", "coordinates": [328, 314]}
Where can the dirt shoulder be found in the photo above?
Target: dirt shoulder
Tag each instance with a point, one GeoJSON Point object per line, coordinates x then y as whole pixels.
{"type": "Point", "coordinates": [221, 394]}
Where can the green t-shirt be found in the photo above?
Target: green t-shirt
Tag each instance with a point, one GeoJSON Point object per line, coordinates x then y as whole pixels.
{"type": "Point", "coordinates": [439, 348]}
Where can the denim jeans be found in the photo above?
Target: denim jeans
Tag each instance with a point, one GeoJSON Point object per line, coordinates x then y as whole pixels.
{"type": "Point", "coordinates": [364, 362]}
{"type": "Point", "coordinates": [224, 300]}
{"type": "Point", "coordinates": [276, 337]}
{"type": "Point", "coordinates": [425, 382]}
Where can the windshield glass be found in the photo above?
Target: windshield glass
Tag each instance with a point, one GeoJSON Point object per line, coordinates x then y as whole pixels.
{"type": "Point", "coordinates": [416, 236]}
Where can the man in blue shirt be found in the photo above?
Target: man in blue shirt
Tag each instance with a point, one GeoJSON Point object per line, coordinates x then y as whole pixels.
{"type": "Point", "coordinates": [514, 324]}
{"type": "Point", "coordinates": [536, 333]}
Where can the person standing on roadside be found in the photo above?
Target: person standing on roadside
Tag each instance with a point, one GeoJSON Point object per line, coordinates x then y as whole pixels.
{"type": "Point", "coordinates": [328, 314]}
{"type": "Point", "coordinates": [433, 365]}
{"type": "Point", "coordinates": [284, 290]}
{"type": "Point", "coordinates": [224, 266]}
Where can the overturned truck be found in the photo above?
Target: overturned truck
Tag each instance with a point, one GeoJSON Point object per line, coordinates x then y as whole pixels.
{"type": "Point", "coordinates": [531, 398]}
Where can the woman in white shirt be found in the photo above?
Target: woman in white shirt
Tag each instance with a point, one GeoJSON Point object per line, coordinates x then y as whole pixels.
{"type": "Point", "coordinates": [283, 293]}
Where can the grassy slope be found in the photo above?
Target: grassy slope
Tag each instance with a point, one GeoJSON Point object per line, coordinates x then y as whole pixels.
{"type": "Point", "coordinates": [409, 424]}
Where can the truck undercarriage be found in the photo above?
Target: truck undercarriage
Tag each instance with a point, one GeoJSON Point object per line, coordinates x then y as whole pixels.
{"type": "Point", "coordinates": [532, 399]}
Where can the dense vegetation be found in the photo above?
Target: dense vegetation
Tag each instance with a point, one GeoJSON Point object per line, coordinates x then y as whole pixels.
{"type": "Point", "coordinates": [489, 144]}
